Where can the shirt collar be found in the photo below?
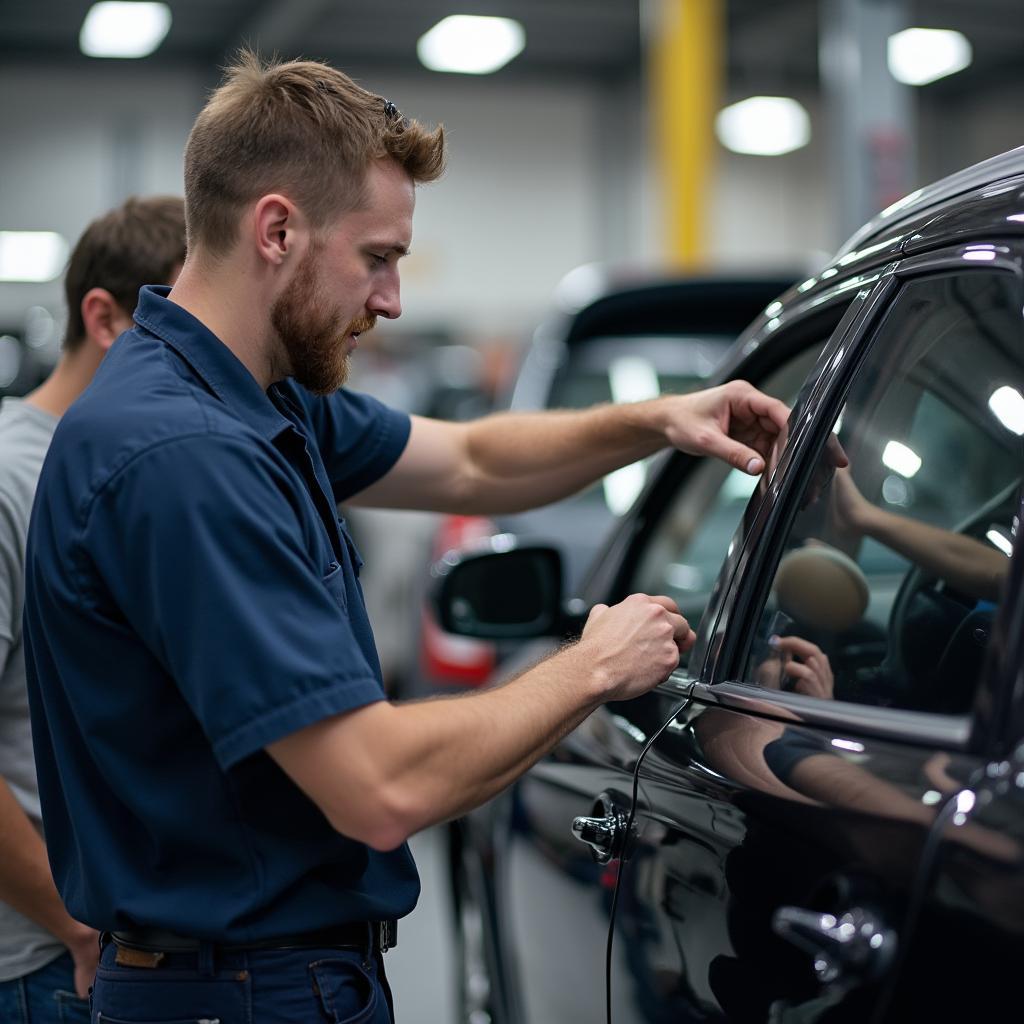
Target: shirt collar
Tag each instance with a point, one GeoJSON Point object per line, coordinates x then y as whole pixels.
{"type": "Point", "coordinates": [223, 372]}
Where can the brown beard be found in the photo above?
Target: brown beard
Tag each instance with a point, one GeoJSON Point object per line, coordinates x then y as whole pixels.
{"type": "Point", "coordinates": [308, 329]}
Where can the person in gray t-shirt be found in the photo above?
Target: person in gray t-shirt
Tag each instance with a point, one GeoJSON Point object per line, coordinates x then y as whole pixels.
{"type": "Point", "coordinates": [47, 959]}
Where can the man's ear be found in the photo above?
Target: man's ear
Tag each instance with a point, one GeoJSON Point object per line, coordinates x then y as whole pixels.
{"type": "Point", "coordinates": [103, 317]}
{"type": "Point", "coordinates": [280, 228]}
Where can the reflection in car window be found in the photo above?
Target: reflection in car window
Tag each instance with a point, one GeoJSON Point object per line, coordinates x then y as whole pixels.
{"type": "Point", "coordinates": [687, 547]}
{"type": "Point", "coordinates": [632, 369]}
{"type": "Point", "coordinates": [889, 578]}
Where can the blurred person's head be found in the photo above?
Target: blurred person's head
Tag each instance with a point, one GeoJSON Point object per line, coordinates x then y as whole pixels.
{"type": "Point", "coordinates": [140, 242]}
{"type": "Point", "coordinates": [304, 183]}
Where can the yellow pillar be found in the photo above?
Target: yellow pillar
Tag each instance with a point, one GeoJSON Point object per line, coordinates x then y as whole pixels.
{"type": "Point", "coordinates": [685, 55]}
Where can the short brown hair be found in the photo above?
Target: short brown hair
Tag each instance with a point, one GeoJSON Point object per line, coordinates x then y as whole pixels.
{"type": "Point", "coordinates": [300, 127]}
{"type": "Point", "coordinates": [140, 242]}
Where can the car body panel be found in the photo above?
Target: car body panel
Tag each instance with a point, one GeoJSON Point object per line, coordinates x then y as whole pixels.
{"type": "Point", "coordinates": [921, 823]}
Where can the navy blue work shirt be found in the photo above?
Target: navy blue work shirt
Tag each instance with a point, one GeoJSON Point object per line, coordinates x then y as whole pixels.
{"type": "Point", "coordinates": [191, 596]}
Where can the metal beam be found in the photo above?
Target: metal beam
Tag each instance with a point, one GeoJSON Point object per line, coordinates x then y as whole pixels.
{"type": "Point", "coordinates": [685, 55]}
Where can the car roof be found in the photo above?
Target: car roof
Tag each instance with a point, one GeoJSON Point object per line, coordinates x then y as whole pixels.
{"type": "Point", "coordinates": [910, 207]}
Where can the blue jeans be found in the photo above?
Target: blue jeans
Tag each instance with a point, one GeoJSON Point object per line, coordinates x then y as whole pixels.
{"type": "Point", "coordinates": [271, 986]}
{"type": "Point", "coordinates": [46, 996]}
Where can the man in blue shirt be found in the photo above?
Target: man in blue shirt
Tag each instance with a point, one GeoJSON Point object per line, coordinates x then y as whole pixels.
{"type": "Point", "coordinates": [226, 791]}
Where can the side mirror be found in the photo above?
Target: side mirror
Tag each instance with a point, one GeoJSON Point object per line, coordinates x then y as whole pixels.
{"type": "Point", "coordinates": [502, 591]}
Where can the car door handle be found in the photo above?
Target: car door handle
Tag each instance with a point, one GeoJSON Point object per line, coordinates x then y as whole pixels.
{"type": "Point", "coordinates": [855, 946]}
{"type": "Point", "coordinates": [604, 832]}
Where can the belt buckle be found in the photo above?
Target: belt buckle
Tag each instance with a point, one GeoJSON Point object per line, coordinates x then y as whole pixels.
{"type": "Point", "coordinates": [387, 935]}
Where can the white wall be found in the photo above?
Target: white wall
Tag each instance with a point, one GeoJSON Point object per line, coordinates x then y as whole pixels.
{"type": "Point", "coordinates": [542, 177]}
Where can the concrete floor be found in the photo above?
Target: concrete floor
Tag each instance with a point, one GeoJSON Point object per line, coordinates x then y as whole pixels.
{"type": "Point", "coordinates": [420, 968]}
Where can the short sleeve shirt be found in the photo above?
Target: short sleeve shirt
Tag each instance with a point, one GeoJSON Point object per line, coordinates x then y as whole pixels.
{"type": "Point", "coordinates": [192, 596]}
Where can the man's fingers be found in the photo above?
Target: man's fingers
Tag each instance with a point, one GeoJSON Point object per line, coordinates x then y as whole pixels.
{"type": "Point", "coordinates": [769, 409]}
{"type": "Point", "coordinates": [797, 645]}
{"type": "Point", "coordinates": [666, 602]}
{"type": "Point", "coordinates": [596, 612]}
{"type": "Point", "coordinates": [734, 453]}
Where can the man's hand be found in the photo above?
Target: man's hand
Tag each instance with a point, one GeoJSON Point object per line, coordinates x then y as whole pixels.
{"type": "Point", "coordinates": [812, 674]}
{"type": "Point", "coordinates": [851, 511]}
{"type": "Point", "coordinates": [84, 946]}
{"type": "Point", "coordinates": [636, 643]}
{"type": "Point", "coordinates": [733, 422]}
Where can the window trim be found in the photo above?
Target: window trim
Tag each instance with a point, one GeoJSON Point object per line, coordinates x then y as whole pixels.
{"type": "Point", "coordinates": [748, 587]}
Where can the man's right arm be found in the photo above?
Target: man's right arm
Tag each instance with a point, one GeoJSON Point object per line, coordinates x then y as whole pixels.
{"type": "Point", "coordinates": [385, 771]}
{"type": "Point", "coordinates": [27, 885]}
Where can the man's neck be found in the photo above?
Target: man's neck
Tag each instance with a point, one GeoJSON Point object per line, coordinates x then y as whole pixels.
{"type": "Point", "coordinates": [224, 300]}
{"type": "Point", "coordinates": [68, 380]}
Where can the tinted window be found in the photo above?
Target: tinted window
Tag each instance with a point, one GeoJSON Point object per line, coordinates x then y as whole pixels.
{"type": "Point", "coordinates": [688, 545]}
{"type": "Point", "coordinates": [891, 573]}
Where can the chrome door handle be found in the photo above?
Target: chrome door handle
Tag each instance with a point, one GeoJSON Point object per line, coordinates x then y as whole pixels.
{"type": "Point", "coordinates": [858, 945]}
{"type": "Point", "coordinates": [605, 832]}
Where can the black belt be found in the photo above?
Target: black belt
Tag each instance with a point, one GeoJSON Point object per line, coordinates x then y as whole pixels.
{"type": "Point", "coordinates": [363, 935]}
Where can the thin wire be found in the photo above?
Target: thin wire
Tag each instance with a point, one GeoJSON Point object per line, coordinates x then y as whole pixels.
{"type": "Point", "coordinates": [622, 859]}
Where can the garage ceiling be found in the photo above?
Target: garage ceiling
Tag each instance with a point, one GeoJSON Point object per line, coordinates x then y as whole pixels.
{"type": "Point", "coordinates": [772, 43]}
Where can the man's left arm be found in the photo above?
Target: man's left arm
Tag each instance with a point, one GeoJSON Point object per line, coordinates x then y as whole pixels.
{"type": "Point", "coordinates": [508, 462]}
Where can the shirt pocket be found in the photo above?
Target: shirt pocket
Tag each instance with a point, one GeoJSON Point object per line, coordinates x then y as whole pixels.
{"type": "Point", "coordinates": [334, 583]}
{"type": "Point", "coordinates": [353, 551]}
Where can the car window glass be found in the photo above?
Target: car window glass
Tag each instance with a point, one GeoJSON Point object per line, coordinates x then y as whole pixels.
{"type": "Point", "coordinates": [890, 574]}
{"type": "Point", "coordinates": [631, 369]}
{"type": "Point", "coordinates": [686, 548]}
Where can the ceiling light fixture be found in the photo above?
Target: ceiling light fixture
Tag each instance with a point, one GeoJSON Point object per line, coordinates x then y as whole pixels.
{"type": "Point", "coordinates": [901, 459]}
{"type": "Point", "coordinates": [125, 28]}
{"type": "Point", "coordinates": [763, 126]}
{"type": "Point", "coordinates": [31, 256]}
{"type": "Point", "coordinates": [918, 56]}
{"type": "Point", "coordinates": [471, 45]}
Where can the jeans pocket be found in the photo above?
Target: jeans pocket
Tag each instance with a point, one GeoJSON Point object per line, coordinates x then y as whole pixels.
{"type": "Point", "coordinates": [348, 992]}
{"type": "Point", "coordinates": [71, 1009]}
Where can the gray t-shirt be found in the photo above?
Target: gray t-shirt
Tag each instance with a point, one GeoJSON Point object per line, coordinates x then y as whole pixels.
{"type": "Point", "coordinates": [25, 434]}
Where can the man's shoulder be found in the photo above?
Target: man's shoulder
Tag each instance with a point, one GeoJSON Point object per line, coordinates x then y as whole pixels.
{"type": "Point", "coordinates": [25, 435]}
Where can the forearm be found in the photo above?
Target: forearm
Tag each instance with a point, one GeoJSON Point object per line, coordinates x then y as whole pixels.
{"type": "Point", "coordinates": [523, 460]}
{"type": "Point", "coordinates": [411, 765]}
{"type": "Point", "coordinates": [26, 883]}
{"type": "Point", "coordinates": [963, 562]}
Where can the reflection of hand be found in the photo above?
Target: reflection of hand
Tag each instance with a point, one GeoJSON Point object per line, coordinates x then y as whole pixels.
{"type": "Point", "coordinates": [812, 674]}
{"type": "Point", "coordinates": [636, 644]}
{"type": "Point", "coordinates": [832, 458]}
{"type": "Point", "coordinates": [733, 422]}
{"type": "Point", "coordinates": [851, 511]}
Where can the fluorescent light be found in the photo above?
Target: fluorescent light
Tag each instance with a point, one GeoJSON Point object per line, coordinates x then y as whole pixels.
{"type": "Point", "coordinates": [623, 487]}
{"type": "Point", "coordinates": [31, 255]}
{"type": "Point", "coordinates": [763, 126]}
{"type": "Point", "coordinates": [470, 44]}
{"type": "Point", "coordinates": [632, 379]}
{"type": "Point", "coordinates": [124, 29]}
{"type": "Point", "coordinates": [918, 56]}
{"type": "Point", "coordinates": [1004, 544]}
{"type": "Point", "coordinates": [1007, 405]}
{"type": "Point", "coordinates": [901, 459]}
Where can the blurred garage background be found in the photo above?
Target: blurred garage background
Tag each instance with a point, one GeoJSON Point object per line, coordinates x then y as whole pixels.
{"type": "Point", "coordinates": [680, 136]}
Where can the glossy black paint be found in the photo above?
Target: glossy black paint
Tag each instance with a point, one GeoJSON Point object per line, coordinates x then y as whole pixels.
{"type": "Point", "coordinates": [914, 820]}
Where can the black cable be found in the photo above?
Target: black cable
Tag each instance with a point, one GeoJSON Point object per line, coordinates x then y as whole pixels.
{"type": "Point", "coordinates": [622, 858]}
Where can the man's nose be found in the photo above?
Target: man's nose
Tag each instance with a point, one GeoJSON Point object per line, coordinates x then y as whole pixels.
{"type": "Point", "coordinates": [386, 301]}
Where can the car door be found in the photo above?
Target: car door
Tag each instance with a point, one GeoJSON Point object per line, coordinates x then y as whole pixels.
{"type": "Point", "coordinates": [553, 898]}
{"type": "Point", "coordinates": [836, 709]}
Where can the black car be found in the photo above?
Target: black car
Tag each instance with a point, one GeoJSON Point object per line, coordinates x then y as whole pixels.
{"type": "Point", "coordinates": [613, 335]}
{"type": "Point", "coordinates": [820, 815]}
